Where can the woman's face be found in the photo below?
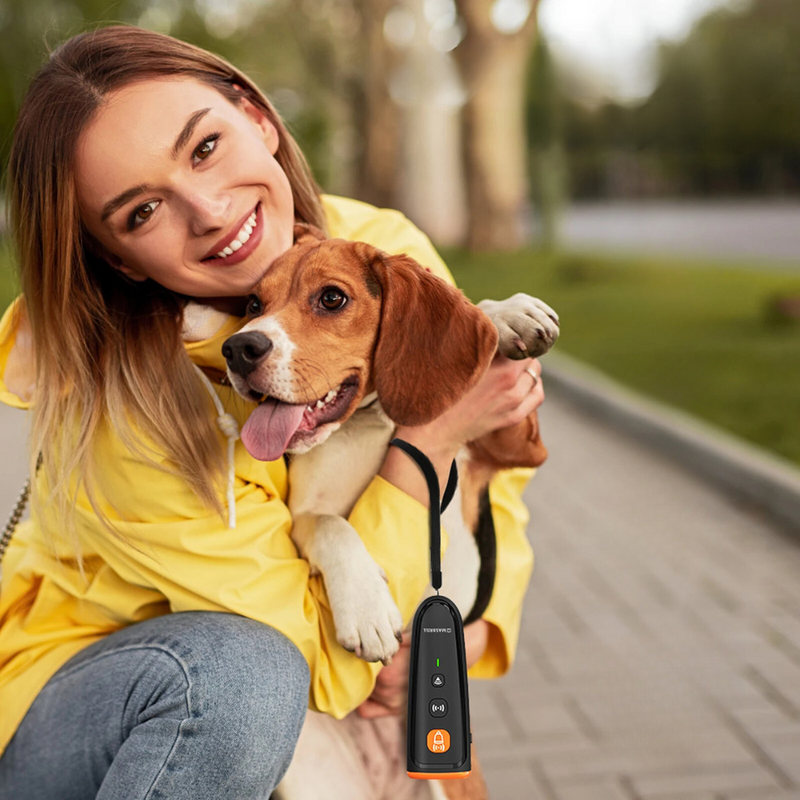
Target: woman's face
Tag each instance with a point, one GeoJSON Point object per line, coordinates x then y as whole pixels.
{"type": "Point", "coordinates": [169, 175]}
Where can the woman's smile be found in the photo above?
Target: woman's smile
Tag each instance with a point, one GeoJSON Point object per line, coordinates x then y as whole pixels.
{"type": "Point", "coordinates": [238, 244]}
{"type": "Point", "coordinates": [178, 184]}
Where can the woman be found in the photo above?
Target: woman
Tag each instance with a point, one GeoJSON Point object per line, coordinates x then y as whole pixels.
{"type": "Point", "coordinates": [137, 162]}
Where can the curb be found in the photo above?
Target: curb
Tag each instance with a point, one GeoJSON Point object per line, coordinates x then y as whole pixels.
{"type": "Point", "coordinates": [733, 465]}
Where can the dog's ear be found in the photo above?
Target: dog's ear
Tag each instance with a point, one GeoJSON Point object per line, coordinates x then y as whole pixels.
{"type": "Point", "coordinates": [305, 232]}
{"type": "Point", "coordinates": [433, 344]}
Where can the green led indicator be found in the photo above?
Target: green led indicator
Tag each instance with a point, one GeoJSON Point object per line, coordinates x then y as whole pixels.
{"type": "Point", "coordinates": [437, 662]}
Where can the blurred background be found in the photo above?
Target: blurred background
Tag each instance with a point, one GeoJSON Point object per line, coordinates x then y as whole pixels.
{"type": "Point", "coordinates": [636, 165]}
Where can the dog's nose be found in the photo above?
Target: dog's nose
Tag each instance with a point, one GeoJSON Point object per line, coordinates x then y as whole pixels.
{"type": "Point", "coordinates": [243, 351]}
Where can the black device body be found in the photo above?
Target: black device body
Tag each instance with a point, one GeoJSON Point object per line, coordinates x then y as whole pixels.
{"type": "Point", "coordinates": [438, 693]}
{"type": "Point", "coordinates": [439, 735]}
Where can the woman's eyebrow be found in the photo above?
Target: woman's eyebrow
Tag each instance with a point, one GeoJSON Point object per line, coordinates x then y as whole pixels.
{"type": "Point", "coordinates": [188, 130]}
{"type": "Point", "coordinates": [183, 137]}
{"type": "Point", "coordinates": [112, 205]}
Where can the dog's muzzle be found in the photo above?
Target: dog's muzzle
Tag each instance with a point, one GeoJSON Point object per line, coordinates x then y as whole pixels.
{"type": "Point", "coordinates": [243, 351]}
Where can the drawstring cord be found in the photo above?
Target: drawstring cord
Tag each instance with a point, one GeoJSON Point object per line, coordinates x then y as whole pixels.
{"type": "Point", "coordinates": [228, 425]}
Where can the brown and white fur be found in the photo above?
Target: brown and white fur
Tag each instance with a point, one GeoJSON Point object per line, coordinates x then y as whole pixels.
{"type": "Point", "coordinates": [401, 348]}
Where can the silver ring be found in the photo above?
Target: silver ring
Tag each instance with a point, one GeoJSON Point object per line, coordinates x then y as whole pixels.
{"type": "Point", "coordinates": [533, 375]}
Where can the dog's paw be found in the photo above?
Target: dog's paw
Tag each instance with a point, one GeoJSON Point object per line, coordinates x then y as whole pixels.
{"type": "Point", "coordinates": [527, 327]}
{"type": "Point", "coordinates": [368, 622]}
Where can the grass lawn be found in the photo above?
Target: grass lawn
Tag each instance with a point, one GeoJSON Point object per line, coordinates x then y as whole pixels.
{"type": "Point", "coordinates": [693, 334]}
{"type": "Point", "coordinates": [9, 285]}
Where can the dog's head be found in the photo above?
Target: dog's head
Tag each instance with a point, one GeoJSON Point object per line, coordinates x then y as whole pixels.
{"type": "Point", "coordinates": [332, 321]}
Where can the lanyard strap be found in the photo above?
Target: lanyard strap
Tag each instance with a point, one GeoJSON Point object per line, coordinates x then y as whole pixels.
{"type": "Point", "coordinates": [434, 511]}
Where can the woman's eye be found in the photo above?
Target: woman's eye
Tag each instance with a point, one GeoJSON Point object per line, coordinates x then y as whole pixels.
{"type": "Point", "coordinates": [206, 147]}
{"type": "Point", "coordinates": [142, 214]}
{"type": "Point", "coordinates": [332, 299]}
{"type": "Point", "coordinates": [254, 307]}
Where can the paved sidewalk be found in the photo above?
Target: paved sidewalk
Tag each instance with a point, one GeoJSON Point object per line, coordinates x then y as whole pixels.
{"type": "Point", "coordinates": [660, 651]}
{"type": "Point", "coordinates": [13, 464]}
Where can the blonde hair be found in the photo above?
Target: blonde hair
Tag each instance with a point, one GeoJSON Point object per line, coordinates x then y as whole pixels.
{"type": "Point", "coordinates": [106, 348]}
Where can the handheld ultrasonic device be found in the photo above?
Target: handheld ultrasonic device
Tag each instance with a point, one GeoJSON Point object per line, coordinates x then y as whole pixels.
{"type": "Point", "coordinates": [439, 735]}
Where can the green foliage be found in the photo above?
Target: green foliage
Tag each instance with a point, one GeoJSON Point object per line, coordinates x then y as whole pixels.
{"type": "Point", "coordinates": [724, 116]}
{"type": "Point", "coordinates": [543, 102]}
{"type": "Point", "coordinates": [9, 283]}
{"type": "Point", "coordinates": [728, 100]}
{"type": "Point", "coordinates": [544, 111]}
{"type": "Point", "coordinates": [691, 334]}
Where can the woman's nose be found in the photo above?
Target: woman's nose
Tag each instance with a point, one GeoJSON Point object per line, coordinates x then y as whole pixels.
{"type": "Point", "coordinates": [207, 212]}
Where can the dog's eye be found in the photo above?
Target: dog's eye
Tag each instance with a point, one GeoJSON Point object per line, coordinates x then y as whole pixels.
{"type": "Point", "coordinates": [332, 299]}
{"type": "Point", "coordinates": [254, 307]}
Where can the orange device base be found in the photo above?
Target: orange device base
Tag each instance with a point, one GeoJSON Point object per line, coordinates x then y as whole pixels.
{"type": "Point", "coordinates": [437, 776]}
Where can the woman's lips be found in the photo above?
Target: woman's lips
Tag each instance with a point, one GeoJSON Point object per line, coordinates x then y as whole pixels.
{"type": "Point", "coordinates": [248, 247]}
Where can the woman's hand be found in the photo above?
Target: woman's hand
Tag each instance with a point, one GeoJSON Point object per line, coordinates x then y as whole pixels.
{"type": "Point", "coordinates": [391, 688]}
{"type": "Point", "coordinates": [504, 396]}
{"type": "Point", "coordinates": [390, 695]}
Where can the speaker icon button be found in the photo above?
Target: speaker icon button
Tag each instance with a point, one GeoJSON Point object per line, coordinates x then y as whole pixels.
{"type": "Point", "coordinates": [438, 707]}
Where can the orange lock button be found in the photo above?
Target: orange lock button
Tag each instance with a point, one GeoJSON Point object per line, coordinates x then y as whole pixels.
{"type": "Point", "coordinates": [438, 740]}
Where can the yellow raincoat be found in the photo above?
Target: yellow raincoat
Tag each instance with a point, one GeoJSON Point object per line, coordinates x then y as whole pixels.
{"type": "Point", "coordinates": [192, 560]}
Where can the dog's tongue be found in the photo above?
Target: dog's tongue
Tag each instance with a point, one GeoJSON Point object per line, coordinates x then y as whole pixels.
{"type": "Point", "coordinates": [270, 427]}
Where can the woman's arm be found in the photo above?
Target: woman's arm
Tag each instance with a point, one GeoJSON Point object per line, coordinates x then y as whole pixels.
{"type": "Point", "coordinates": [513, 572]}
{"type": "Point", "coordinates": [401, 470]}
{"type": "Point", "coordinates": [503, 397]}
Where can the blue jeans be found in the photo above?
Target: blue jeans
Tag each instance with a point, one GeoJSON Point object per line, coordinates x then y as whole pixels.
{"type": "Point", "coordinates": [189, 706]}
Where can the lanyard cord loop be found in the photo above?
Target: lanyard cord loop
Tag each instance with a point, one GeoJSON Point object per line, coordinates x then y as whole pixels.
{"type": "Point", "coordinates": [434, 511]}
{"type": "Point", "coordinates": [229, 427]}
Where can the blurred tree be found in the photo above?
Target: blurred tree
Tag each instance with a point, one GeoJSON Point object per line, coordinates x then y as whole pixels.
{"type": "Point", "coordinates": [327, 73]}
{"type": "Point", "coordinates": [378, 117]}
{"type": "Point", "coordinates": [727, 104]}
{"type": "Point", "coordinates": [544, 119]}
{"type": "Point", "coordinates": [723, 118]}
{"type": "Point", "coordinates": [492, 58]}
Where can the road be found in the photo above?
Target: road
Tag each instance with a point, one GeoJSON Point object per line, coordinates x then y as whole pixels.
{"type": "Point", "coordinates": [739, 230]}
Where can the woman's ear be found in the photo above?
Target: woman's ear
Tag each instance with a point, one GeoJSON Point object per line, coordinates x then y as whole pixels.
{"type": "Point", "coordinates": [256, 115]}
{"type": "Point", "coordinates": [433, 344]}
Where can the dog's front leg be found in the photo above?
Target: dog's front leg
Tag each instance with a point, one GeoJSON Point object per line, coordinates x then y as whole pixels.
{"type": "Point", "coordinates": [325, 484]}
{"type": "Point", "coordinates": [367, 620]}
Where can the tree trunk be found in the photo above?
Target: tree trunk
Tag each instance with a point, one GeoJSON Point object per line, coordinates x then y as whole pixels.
{"type": "Point", "coordinates": [428, 89]}
{"type": "Point", "coordinates": [493, 68]}
{"type": "Point", "coordinates": [378, 115]}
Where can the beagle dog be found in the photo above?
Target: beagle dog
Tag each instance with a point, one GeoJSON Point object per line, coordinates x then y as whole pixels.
{"type": "Point", "coordinates": [343, 343]}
